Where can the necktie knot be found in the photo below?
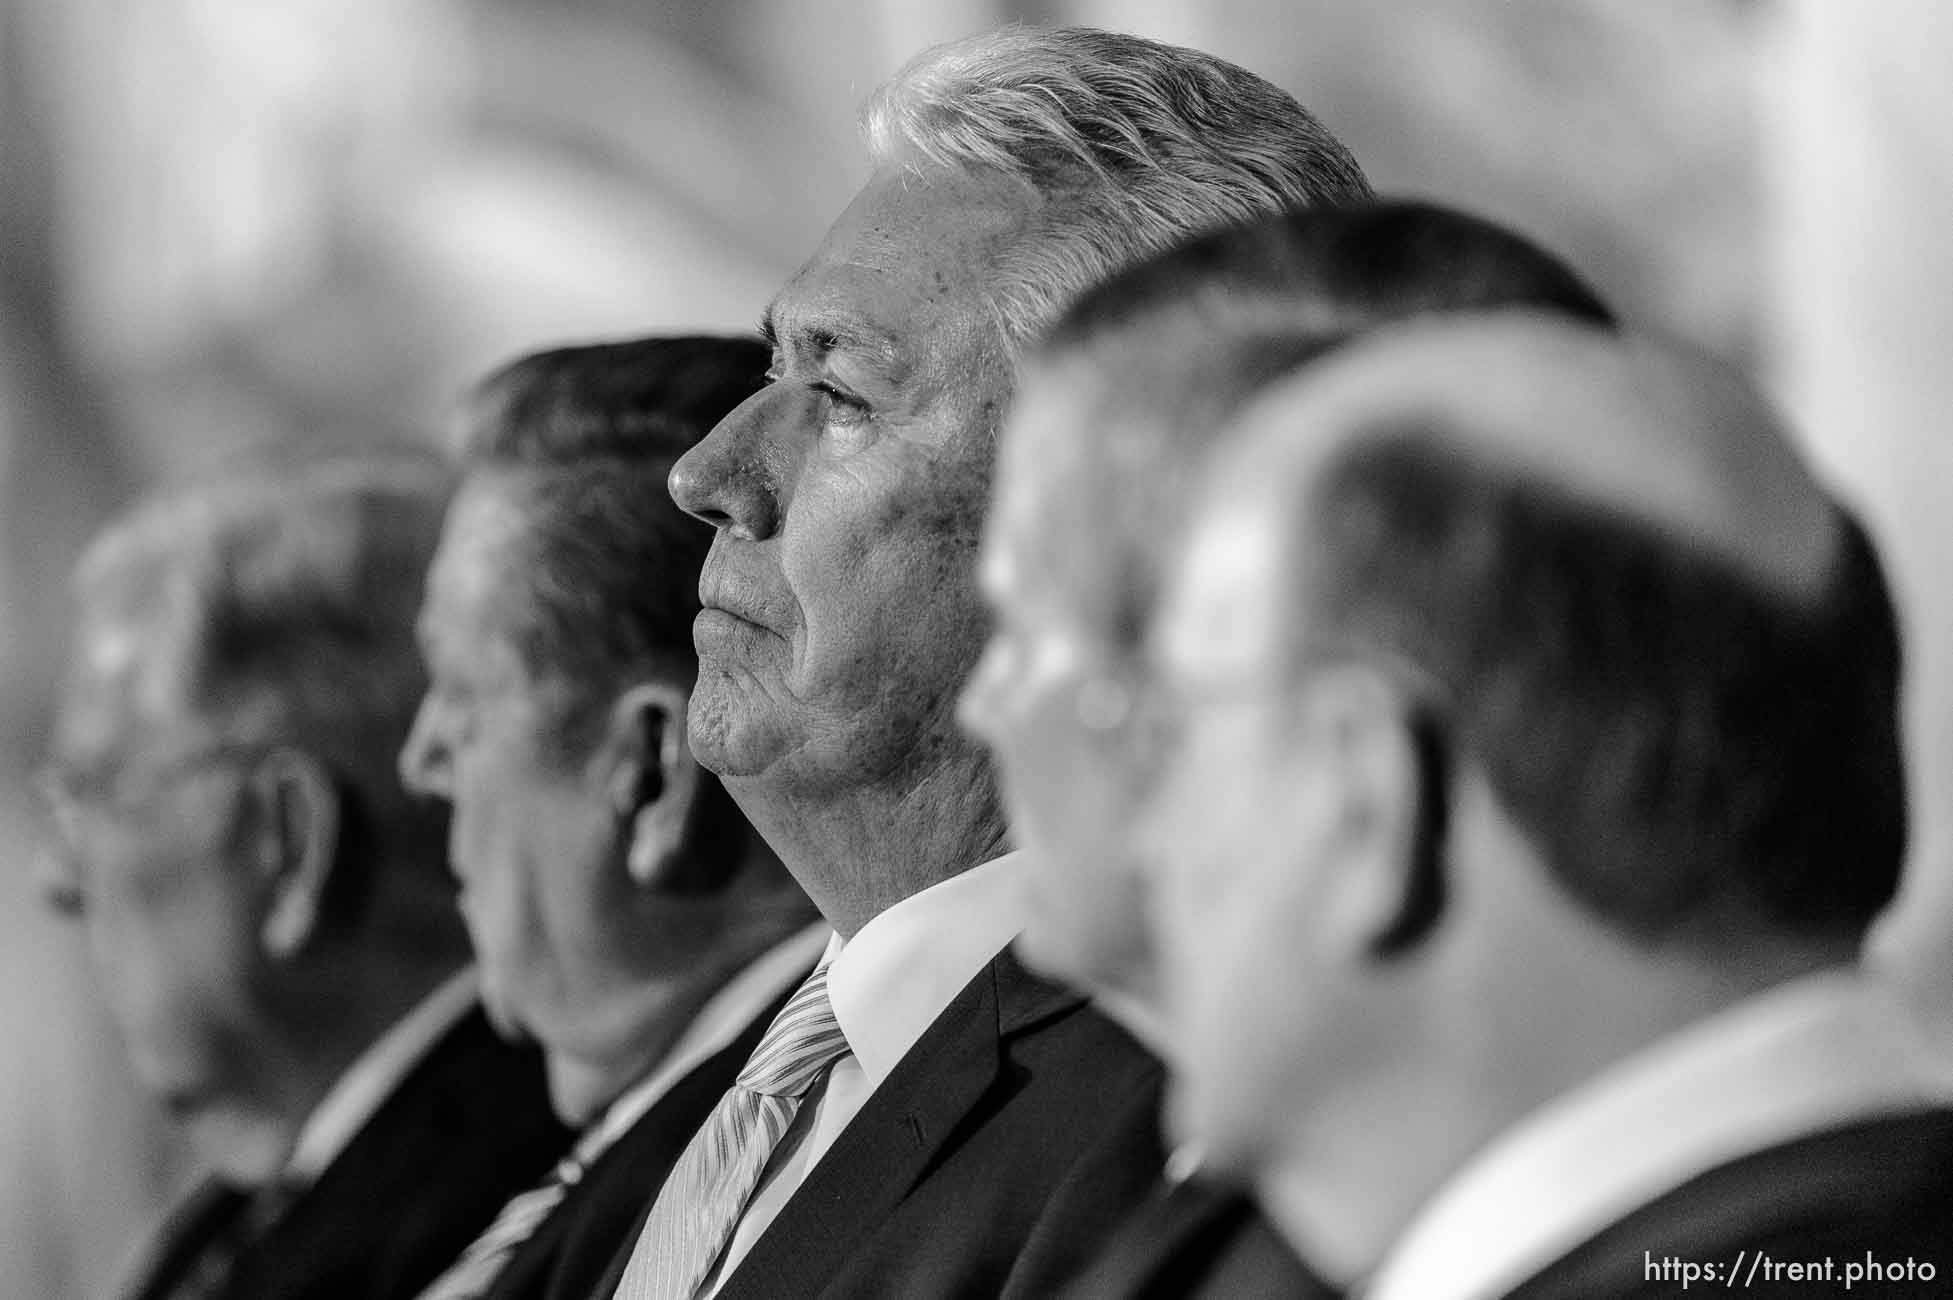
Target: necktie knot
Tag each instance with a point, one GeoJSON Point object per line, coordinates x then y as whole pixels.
{"type": "Point", "coordinates": [803, 1040]}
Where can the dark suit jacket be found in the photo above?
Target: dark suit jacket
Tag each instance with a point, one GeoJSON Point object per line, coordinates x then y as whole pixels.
{"type": "Point", "coordinates": [1882, 1186]}
{"type": "Point", "coordinates": [995, 1160]}
{"type": "Point", "coordinates": [1197, 1239]}
{"type": "Point", "coordinates": [468, 1128]}
{"type": "Point", "coordinates": [572, 1249]}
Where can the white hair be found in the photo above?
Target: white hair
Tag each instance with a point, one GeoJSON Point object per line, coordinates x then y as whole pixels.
{"type": "Point", "coordinates": [1141, 143]}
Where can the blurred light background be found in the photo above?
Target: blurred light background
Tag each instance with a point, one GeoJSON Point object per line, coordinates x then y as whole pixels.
{"type": "Point", "coordinates": [271, 228]}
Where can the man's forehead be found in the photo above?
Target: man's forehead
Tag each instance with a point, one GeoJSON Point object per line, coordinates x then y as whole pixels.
{"type": "Point", "coordinates": [1649, 429]}
{"type": "Point", "coordinates": [1031, 549]}
{"type": "Point", "coordinates": [472, 575]}
{"type": "Point", "coordinates": [122, 691]}
{"type": "Point", "coordinates": [1056, 464]}
{"type": "Point", "coordinates": [1048, 440]}
{"type": "Point", "coordinates": [1219, 611]}
{"type": "Point", "coordinates": [912, 241]}
{"type": "Point", "coordinates": [483, 521]}
{"type": "Point", "coordinates": [902, 211]}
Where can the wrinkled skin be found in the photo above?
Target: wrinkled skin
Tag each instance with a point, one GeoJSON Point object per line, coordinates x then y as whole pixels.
{"type": "Point", "coordinates": [841, 613]}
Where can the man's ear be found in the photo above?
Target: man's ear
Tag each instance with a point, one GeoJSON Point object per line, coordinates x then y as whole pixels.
{"type": "Point", "coordinates": [300, 805]}
{"type": "Point", "coordinates": [1365, 763]}
{"type": "Point", "coordinates": [652, 784]}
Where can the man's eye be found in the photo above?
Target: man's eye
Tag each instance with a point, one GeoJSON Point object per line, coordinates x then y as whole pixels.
{"type": "Point", "coordinates": [842, 408]}
{"type": "Point", "coordinates": [844, 417]}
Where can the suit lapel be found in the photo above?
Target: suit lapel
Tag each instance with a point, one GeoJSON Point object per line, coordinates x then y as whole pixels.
{"type": "Point", "coordinates": [468, 1127]}
{"type": "Point", "coordinates": [1845, 1180]}
{"type": "Point", "coordinates": [896, 1139]}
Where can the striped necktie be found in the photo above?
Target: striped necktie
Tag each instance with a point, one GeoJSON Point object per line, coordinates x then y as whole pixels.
{"type": "Point", "coordinates": [707, 1191]}
{"type": "Point", "coordinates": [489, 1254]}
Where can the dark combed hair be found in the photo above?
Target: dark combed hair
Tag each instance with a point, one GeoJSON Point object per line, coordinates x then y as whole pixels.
{"type": "Point", "coordinates": [1184, 340]}
{"type": "Point", "coordinates": [1686, 747]}
{"type": "Point", "coordinates": [609, 578]}
{"type": "Point", "coordinates": [1342, 268]}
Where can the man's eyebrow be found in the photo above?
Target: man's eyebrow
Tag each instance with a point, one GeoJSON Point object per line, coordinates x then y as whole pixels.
{"type": "Point", "coordinates": [823, 333]}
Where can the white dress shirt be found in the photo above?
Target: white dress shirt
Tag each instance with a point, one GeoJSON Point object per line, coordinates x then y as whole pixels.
{"type": "Point", "coordinates": [373, 1076]}
{"type": "Point", "coordinates": [887, 986]}
{"type": "Point", "coordinates": [1816, 1053]}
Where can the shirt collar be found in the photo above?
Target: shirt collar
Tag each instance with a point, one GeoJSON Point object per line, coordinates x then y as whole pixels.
{"type": "Point", "coordinates": [1813, 1054]}
{"type": "Point", "coordinates": [737, 1003]}
{"type": "Point", "coordinates": [897, 974]}
{"type": "Point", "coordinates": [371, 1079]}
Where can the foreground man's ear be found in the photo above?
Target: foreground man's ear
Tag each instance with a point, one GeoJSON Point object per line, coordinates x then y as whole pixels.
{"type": "Point", "coordinates": [300, 803]}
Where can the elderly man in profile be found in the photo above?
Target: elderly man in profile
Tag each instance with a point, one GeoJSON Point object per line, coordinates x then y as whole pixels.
{"type": "Point", "coordinates": [1121, 404]}
{"type": "Point", "coordinates": [1535, 776]}
{"type": "Point", "coordinates": [622, 910]}
{"type": "Point", "coordinates": [931, 1130]}
{"type": "Point", "coordinates": [272, 920]}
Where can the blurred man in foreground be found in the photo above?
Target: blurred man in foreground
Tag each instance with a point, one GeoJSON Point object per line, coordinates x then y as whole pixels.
{"type": "Point", "coordinates": [1536, 775]}
{"type": "Point", "coordinates": [622, 910]}
{"type": "Point", "coordinates": [1122, 404]}
{"type": "Point", "coordinates": [944, 1104]}
{"type": "Point", "coordinates": [271, 916]}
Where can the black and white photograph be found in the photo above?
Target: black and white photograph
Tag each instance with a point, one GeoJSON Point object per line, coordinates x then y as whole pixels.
{"type": "Point", "coordinates": [976, 649]}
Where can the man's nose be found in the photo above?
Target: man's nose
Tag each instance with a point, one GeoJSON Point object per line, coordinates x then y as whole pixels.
{"type": "Point", "coordinates": [57, 874]}
{"type": "Point", "coordinates": [727, 479]}
{"type": "Point", "coordinates": [982, 709]}
{"type": "Point", "coordinates": [422, 758]}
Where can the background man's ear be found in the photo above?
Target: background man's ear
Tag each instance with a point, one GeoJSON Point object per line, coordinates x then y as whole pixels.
{"type": "Point", "coordinates": [654, 784]}
{"type": "Point", "coordinates": [1370, 773]}
{"type": "Point", "coordinates": [300, 805]}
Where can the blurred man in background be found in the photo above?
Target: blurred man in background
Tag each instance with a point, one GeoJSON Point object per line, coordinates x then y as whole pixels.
{"type": "Point", "coordinates": [271, 916]}
{"type": "Point", "coordinates": [943, 1104]}
{"type": "Point", "coordinates": [623, 912]}
{"type": "Point", "coordinates": [1536, 775]}
{"type": "Point", "coordinates": [1122, 404]}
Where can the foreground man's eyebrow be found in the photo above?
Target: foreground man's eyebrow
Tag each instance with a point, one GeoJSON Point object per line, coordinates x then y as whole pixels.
{"type": "Point", "coordinates": [822, 333]}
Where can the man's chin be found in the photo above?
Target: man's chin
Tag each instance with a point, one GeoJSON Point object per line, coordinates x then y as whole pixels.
{"type": "Point", "coordinates": [578, 1089]}
{"type": "Point", "coordinates": [1092, 944]}
{"type": "Point", "coordinates": [727, 728]}
{"type": "Point", "coordinates": [1047, 947]}
{"type": "Point", "coordinates": [502, 1017]}
{"type": "Point", "coordinates": [1234, 1139]}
